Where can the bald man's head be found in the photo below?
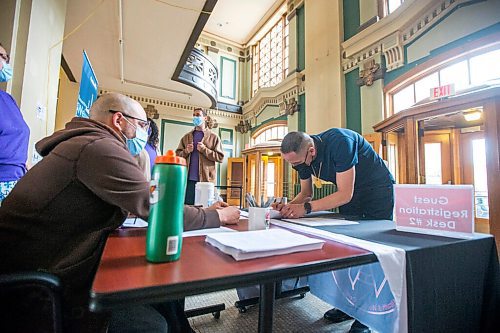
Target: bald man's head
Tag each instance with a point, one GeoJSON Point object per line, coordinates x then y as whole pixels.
{"type": "Point", "coordinates": [100, 110]}
{"type": "Point", "coordinates": [121, 113]}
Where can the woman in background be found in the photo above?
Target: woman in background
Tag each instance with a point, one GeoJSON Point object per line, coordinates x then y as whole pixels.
{"type": "Point", "coordinates": [14, 134]}
{"type": "Point", "coordinates": [152, 144]}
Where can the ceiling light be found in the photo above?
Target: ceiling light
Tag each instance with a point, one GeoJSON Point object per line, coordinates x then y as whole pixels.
{"type": "Point", "coordinates": [472, 115]}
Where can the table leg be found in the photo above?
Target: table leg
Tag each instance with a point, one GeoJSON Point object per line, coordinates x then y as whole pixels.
{"type": "Point", "coordinates": [266, 305]}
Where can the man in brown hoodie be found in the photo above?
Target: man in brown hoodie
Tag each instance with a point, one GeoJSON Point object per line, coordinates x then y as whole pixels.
{"type": "Point", "coordinates": [59, 215]}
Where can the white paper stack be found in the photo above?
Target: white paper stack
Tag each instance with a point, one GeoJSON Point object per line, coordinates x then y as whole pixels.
{"type": "Point", "coordinates": [262, 243]}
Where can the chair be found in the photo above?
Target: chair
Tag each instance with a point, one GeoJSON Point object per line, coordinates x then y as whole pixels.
{"type": "Point", "coordinates": [30, 302]}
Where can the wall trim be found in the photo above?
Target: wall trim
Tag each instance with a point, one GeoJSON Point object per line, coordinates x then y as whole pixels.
{"type": "Point", "coordinates": [175, 105]}
{"type": "Point", "coordinates": [393, 32]}
{"type": "Point", "coordinates": [289, 88]}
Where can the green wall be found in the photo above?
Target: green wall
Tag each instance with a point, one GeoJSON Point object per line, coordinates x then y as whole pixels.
{"type": "Point", "coordinates": [301, 39]}
{"type": "Point", "coordinates": [351, 18]}
{"type": "Point", "coordinates": [353, 101]}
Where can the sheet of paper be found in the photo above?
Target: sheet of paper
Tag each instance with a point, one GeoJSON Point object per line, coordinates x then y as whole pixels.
{"type": "Point", "coordinates": [262, 243]}
{"type": "Point", "coordinates": [134, 222]}
{"type": "Point", "coordinates": [319, 221]}
{"type": "Point", "coordinates": [263, 240]}
{"type": "Point", "coordinates": [203, 232]}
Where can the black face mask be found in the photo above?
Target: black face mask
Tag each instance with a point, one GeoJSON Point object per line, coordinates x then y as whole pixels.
{"type": "Point", "coordinates": [303, 165]}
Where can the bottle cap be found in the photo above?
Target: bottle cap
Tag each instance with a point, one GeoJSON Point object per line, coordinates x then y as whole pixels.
{"type": "Point", "coordinates": [170, 158]}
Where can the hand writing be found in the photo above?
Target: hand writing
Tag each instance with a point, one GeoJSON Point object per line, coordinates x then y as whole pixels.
{"type": "Point", "coordinates": [229, 215]}
{"type": "Point", "coordinates": [293, 211]}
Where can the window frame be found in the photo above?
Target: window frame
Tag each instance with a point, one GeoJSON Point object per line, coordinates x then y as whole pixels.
{"type": "Point", "coordinates": [435, 65]}
{"type": "Point", "coordinates": [268, 127]}
{"type": "Point", "coordinates": [258, 67]}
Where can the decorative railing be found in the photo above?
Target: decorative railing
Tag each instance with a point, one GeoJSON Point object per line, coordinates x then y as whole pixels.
{"type": "Point", "coordinates": [199, 72]}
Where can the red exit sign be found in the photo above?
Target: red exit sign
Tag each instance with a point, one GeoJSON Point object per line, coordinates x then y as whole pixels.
{"type": "Point", "coordinates": [443, 91]}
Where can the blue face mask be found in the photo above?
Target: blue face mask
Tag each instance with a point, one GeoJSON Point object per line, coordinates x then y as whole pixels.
{"type": "Point", "coordinates": [137, 144]}
{"type": "Point", "coordinates": [197, 121]}
{"type": "Point", "coordinates": [6, 72]}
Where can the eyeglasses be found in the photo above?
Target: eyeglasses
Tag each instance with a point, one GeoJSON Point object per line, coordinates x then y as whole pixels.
{"type": "Point", "coordinates": [5, 56]}
{"type": "Point", "coordinates": [143, 123]}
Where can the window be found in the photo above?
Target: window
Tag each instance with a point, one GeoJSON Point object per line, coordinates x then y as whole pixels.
{"type": "Point", "coordinates": [457, 74]}
{"type": "Point", "coordinates": [392, 5]}
{"type": "Point", "coordinates": [433, 173]}
{"type": "Point", "coordinates": [404, 99]}
{"type": "Point", "coordinates": [270, 57]}
{"type": "Point", "coordinates": [480, 181]}
{"type": "Point", "coordinates": [474, 70]}
{"type": "Point", "coordinates": [273, 133]}
{"type": "Point", "coordinates": [423, 86]}
{"type": "Point", "coordinates": [485, 67]}
{"type": "Point", "coordinates": [385, 7]}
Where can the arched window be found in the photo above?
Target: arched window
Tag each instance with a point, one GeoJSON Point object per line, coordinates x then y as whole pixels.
{"type": "Point", "coordinates": [467, 72]}
{"type": "Point", "coordinates": [270, 134]}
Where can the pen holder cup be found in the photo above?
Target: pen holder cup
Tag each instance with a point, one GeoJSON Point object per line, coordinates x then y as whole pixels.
{"type": "Point", "coordinates": [259, 218]}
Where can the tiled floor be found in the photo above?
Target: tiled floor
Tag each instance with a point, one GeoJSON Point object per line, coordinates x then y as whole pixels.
{"type": "Point", "coordinates": [292, 315]}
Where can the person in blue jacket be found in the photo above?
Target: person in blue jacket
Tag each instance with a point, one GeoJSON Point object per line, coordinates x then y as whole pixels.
{"type": "Point", "coordinates": [364, 183]}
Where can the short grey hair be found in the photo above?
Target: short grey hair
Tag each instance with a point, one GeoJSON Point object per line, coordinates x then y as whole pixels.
{"type": "Point", "coordinates": [295, 142]}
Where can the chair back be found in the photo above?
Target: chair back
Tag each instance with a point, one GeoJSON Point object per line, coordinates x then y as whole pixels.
{"type": "Point", "coordinates": [30, 302]}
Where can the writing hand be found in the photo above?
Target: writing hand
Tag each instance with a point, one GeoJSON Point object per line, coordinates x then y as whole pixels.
{"type": "Point", "coordinates": [293, 211]}
{"type": "Point", "coordinates": [229, 215]}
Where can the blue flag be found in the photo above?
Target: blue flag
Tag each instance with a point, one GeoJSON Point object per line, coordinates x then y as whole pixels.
{"type": "Point", "coordinates": [88, 89]}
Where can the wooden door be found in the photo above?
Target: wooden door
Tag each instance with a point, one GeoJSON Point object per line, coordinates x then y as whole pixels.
{"type": "Point", "coordinates": [274, 176]}
{"type": "Point", "coordinates": [436, 163]}
{"type": "Point", "coordinates": [251, 174]}
{"type": "Point", "coordinates": [391, 156]}
{"type": "Point", "coordinates": [473, 160]}
{"type": "Point", "coordinates": [375, 140]}
{"type": "Point", "coordinates": [235, 177]}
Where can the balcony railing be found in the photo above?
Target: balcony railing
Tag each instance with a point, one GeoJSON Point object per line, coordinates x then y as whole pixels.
{"type": "Point", "coordinates": [199, 72]}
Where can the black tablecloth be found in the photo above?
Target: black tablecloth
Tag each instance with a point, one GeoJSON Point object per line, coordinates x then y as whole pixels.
{"type": "Point", "coordinates": [453, 285]}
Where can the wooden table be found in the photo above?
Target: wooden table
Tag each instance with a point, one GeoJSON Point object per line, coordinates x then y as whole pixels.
{"type": "Point", "coordinates": [124, 276]}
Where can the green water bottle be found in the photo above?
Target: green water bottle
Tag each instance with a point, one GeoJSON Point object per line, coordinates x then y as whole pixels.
{"type": "Point", "coordinates": [166, 214]}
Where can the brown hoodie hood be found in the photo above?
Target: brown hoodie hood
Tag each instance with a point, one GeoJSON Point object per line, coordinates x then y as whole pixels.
{"type": "Point", "coordinates": [77, 127]}
{"type": "Point", "coordinates": [60, 213]}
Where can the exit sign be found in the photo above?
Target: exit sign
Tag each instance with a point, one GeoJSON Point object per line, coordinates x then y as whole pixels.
{"type": "Point", "coordinates": [443, 91]}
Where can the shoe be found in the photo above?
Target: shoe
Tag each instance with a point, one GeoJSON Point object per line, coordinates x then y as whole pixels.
{"type": "Point", "coordinates": [336, 316]}
{"type": "Point", "coordinates": [357, 327]}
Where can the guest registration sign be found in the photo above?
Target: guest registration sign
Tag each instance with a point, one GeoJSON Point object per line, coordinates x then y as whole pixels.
{"type": "Point", "coordinates": [444, 210]}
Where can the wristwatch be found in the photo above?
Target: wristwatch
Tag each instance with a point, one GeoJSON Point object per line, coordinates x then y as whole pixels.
{"type": "Point", "coordinates": [307, 207]}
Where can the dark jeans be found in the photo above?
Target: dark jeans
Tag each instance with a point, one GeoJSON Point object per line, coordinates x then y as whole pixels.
{"type": "Point", "coordinates": [189, 200]}
{"type": "Point", "coordinates": [165, 317]}
{"type": "Point", "coordinates": [374, 203]}
{"type": "Point", "coordinates": [137, 319]}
